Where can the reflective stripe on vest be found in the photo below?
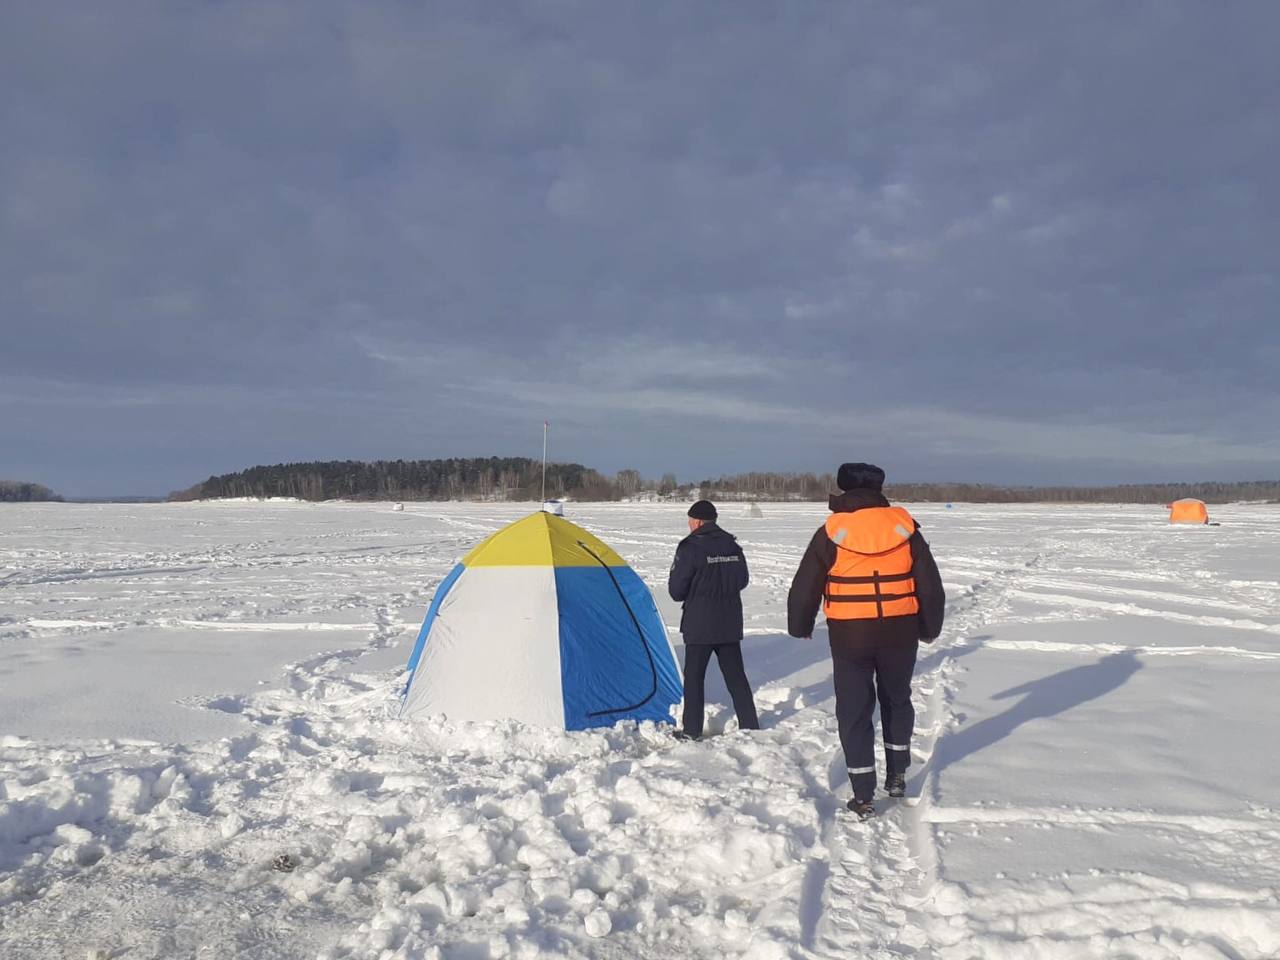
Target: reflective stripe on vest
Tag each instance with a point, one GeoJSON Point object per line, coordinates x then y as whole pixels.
{"type": "Point", "coordinates": [871, 576]}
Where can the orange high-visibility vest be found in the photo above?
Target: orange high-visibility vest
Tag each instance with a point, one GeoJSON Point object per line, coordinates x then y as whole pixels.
{"type": "Point", "coordinates": [871, 577]}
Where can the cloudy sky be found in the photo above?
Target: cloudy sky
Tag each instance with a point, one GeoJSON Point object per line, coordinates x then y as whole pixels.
{"type": "Point", "coordinates": [1019, 242]}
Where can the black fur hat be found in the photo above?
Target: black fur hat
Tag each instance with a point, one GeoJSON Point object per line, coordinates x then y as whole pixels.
{"type": "Point", "coordinates": [859, 476]}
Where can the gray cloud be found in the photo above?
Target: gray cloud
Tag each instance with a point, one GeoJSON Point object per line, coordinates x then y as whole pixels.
{"type": "Point", "coordinates": [995, 242]}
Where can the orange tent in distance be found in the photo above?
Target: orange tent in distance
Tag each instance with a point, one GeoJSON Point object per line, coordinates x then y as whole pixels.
{"type": "Point", "coordinates": [1188, 511]}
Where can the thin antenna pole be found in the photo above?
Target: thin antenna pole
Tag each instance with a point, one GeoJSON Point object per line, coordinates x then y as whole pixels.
{"type": "Point", "coordinates": [545, 425]}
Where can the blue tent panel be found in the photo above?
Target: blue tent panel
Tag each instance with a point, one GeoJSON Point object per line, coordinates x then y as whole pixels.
{"type": "Point", "coordinates": [615, 662]}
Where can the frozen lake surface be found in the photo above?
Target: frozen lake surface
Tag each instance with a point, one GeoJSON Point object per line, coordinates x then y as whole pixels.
{"type": "Point", "coordinates": [188, 691]}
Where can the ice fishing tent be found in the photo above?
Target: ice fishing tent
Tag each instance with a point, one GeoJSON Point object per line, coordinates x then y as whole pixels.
{"type": "Point", "coordinates": [1188, 510]}
{"type": "Point", "coordinates": [543, 623]}
{"type": "Point", "coordinates": [754, 512]}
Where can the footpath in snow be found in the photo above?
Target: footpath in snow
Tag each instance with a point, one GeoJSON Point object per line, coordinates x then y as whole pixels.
{"type": "Point", "coordinates": [199, 755]}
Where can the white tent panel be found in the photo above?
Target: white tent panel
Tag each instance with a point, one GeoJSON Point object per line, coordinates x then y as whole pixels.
{"type": "Point", "coordinates": [494, 650]}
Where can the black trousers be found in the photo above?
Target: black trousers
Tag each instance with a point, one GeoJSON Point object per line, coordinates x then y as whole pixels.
{"type": "Point", "coordinates": [880, 673]}
{"type": "Point", "coordinates": [696, 658]}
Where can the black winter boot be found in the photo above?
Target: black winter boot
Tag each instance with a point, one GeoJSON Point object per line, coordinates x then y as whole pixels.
{"type": "Point", "coordinates": [895, 784]}
{"type": "Point", "coordinates": [865, 809]}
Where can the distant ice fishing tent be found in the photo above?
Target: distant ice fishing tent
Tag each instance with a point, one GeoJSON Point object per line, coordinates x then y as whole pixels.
{"type": "Point", "coordinates": [754, 512]}
{"type": "Point", "coordinates": [1188, 510]}
{"type": "Point", "coordinates": [543, 623]}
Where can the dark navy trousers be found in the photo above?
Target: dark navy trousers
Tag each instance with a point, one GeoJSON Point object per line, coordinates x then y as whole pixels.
{"type": "Point", "coordinates": [875, 673]}
{"type": "Point", "coordinates": [696, 658]}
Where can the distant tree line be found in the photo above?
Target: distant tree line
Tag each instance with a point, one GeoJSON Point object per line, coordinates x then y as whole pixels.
{"type": "Point", "coordinates": [808, 486]}
{"type": "Point", "coordinates": [769, 486]}
{"type": "Point", "coordinates": [15, 491]}
{"type": "Point", "coordinates": [1161, 493]}
{"type": "Point", "coordinates": [520, 478]}
{"type": "Point", "coordinates": [481, 478]}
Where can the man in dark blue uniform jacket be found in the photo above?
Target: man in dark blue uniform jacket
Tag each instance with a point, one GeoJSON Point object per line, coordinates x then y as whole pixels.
{"type": "Point", "coordinates": [708, 576]}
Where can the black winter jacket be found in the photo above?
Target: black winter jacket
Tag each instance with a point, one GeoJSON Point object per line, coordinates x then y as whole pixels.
{"type": "Point", "coordinates": [708, 576]}
{"type": "Point", "coordinates": [850, 637]}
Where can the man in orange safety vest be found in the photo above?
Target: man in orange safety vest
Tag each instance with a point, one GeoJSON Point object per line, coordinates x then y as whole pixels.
{"type": "Point", "coordinates": [877, 582]}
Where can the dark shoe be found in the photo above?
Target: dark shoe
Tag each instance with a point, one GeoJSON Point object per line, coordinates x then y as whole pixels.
{"type": "Point", "coordinates": [865, 809]}
{"type": "Point", "coordinates": [682, 735]}
{"type": "Point", "coordinates": [895, 784]}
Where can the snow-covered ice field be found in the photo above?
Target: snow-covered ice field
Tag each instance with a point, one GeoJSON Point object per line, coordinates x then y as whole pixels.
{"type": "Point", "coordinates": [188, 691]}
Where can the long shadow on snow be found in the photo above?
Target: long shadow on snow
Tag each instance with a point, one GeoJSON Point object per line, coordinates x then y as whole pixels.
{"type": "Point", "coordinates": [769, 658]}
{"type": "Point", "coordinates": [1046, 697]}
{"type": "Point", "coordinates": [782, 656]}
{"type": "Point", "coordinates": [932, 656]}
{"type": "Point", "coordinates": [774, 657]}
